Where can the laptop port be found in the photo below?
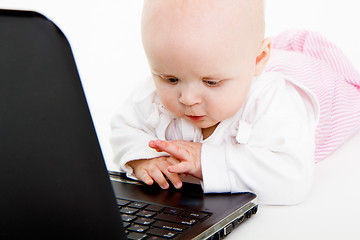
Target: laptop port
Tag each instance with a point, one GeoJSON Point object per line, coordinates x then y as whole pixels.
{"type": "Point", "coordinates": [248, 214]}
{"type": "Point", "coordinates": [240, 220]}
{"type": "Point", "coordinates": [227, 229]}
{"type": "Point", "coordinates": [216, 236]}
{"type": "Point", "coordinates": [254, 210]}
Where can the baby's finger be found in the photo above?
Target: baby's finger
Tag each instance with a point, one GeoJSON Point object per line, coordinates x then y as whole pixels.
{"type": "Point", "coordinates": [174, 179]}
{"type": "Point", "coordinates": [154, 144]}
{"type": "Point", "coordinates": [170, 147]}
{"type": "Point", "coordinates": [159, 178]}
{"type": "Point", "coordinates": [180, 168]}
{"type": "Point", "coordinates": [144, 177]}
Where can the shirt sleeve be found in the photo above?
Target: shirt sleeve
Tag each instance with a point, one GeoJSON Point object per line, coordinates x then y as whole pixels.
{"type": "Point", "coordinates": [272, 154]}
{"type": "Point", "coordinates": [132, 129]}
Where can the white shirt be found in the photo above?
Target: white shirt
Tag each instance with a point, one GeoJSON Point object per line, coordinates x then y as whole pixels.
{"type": "Point", "coordinates": [267, 147]}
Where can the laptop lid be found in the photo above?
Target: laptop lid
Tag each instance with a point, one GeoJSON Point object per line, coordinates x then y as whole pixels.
{"type": "Point", "coordinates": [53, 180]}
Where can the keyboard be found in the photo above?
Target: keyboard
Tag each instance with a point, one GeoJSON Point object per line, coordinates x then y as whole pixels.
{"type": "Point", "coordinates": [156, 222]}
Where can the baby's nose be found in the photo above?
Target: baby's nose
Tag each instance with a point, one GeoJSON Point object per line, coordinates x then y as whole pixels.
{"type": "Point", "coordinates": [190, 96]}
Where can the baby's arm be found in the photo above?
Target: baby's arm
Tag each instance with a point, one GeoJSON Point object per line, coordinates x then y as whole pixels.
{"type": "Point", "coordinates": [155, 169]}
{"type": "Point", "coordinates": [132, 129]}
{"type": "Point", "coordinates": [272, 153]}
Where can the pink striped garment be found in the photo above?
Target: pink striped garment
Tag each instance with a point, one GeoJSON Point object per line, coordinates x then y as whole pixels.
{"type": "Point", "coordinates": [318, 64]}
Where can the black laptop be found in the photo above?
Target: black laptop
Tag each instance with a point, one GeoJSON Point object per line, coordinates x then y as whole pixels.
{"type": "Point", "coordinates": [53, 180]}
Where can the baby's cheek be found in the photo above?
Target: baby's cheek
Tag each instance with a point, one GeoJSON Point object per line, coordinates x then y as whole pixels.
{"type": "Point", "coordinates": [172, 105]}
{"type": "Point", "coordinates": [225, 108]}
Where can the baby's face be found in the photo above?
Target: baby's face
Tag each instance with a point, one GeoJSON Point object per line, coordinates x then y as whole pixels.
{"type": "Point", "coordinates": [202, 68]}
{"type": "Point", "coordinates": [205, 85]}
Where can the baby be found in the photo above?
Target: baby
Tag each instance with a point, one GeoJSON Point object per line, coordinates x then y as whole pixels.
{"type": "Point", "coordinates": [212, 110]}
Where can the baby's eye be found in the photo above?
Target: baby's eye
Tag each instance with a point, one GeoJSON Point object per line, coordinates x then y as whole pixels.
{"type": "Point", "coordinates": [211, 83]}
{"type": "Point", "coordinates": [172, 80]}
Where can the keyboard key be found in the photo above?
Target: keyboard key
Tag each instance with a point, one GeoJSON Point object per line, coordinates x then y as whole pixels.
{"type": "Point", "coordinates": [128, 210]}
{"type": "Point", "coordinates": [137, 228]}
{"type": "Point", "coordinates": [156, 238]}
{"type": "Point", "coordinates": [196, 215]}
{"type": "Point", "coordinates": [162, 232]}
{"type": "Point", "coordinates": [128, 218]}
{"type": "Point", "coordinates": [122, 202]}
{"type": "Point", "coordinates": [175, 218]}
{"type": "Point", "coordinates": [126, 224]}
{"type": "Point", "coordinates": [154, 208]}
{"type": "Point", "coordinates": [144, 221]}
{"type": "Point", "coordinates": [145, 213]}
{"type": "Point", "coordinates": [170, 225]}
{"type": "Point", "coordinates": [172, 211]}
{"type": "Point", "coordinates": [137, 205]}
{"type": "Point", "coordinates": [136, 236]}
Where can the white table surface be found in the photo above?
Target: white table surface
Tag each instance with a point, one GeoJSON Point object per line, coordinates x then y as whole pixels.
{"type": "Point", "coordinates": [105, 39]}
{"type": "Point", "coordinates": [331, 211]}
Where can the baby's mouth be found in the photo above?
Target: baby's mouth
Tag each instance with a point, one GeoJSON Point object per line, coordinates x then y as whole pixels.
{"type": "Point", "coordinates": [195, 118]}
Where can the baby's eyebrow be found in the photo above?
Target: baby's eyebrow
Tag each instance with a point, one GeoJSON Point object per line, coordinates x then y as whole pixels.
{"type": "Point", "coordinates": [167, 76]}
{"type": "Point", "coordinates": [211, 78]}
{"type": "Point", "coordinates": [214, 78]}
{"type": "Point", "coordinates": [161, 74]}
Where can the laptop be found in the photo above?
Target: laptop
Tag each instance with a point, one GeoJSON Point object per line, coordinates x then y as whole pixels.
{"type": "Point", "coordinates": [53, 179]}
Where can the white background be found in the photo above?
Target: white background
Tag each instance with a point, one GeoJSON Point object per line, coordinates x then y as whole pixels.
{"type": "Point", "coordinates": [105, 39]}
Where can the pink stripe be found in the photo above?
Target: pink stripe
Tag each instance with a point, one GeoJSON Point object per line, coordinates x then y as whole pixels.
{"type": "Point", "coordinates": [323, 68]}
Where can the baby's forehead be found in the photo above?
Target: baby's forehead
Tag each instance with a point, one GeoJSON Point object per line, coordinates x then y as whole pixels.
{"type": "Point", "coordinates": [198, 9]}
{"type": "Point", "coordinates": [202, 15]}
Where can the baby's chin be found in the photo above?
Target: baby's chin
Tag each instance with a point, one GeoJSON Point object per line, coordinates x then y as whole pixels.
{"type": "Point", "coordinates": [203, 124]}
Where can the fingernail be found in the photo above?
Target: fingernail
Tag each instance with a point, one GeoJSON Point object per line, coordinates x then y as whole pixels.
{"type": "Point", "coordinates": [149, 182]}
{"type": "Point", "coordinates": [151, 143]}
{"type": "Point", "coordinates": [178, 185]}
{"type": "Point", "coordinates": [165, 186]}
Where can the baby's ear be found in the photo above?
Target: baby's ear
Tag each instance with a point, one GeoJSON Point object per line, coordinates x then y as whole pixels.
{"type": "Point", "coordinates": [263, 56]}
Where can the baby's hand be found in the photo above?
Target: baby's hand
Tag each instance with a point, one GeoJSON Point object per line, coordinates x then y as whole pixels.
{"type": "Point", "coordinates": [188, 153]}
{"type": "Point", "coordinates": [150, 170]}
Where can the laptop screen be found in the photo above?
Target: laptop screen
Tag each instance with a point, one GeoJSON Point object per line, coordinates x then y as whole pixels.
{"type": "Point", "coordinates": [52, 173]}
